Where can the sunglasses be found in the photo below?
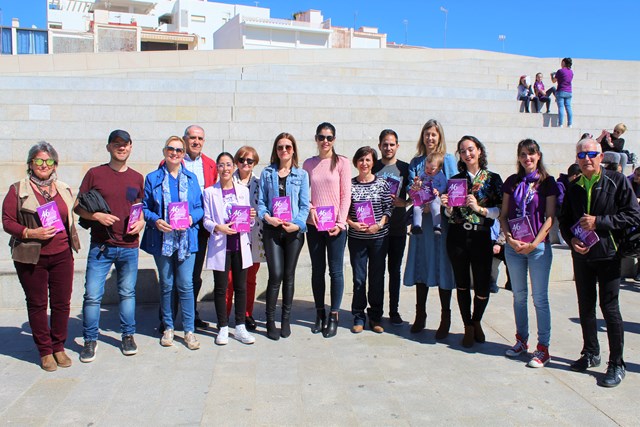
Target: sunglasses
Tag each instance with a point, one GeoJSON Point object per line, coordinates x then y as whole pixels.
{"type": "Point", "coordinates": [286, 147]}
{"type": "Point", "coordinates": [321, 138]}
{"type": "Point", "coordinates": [242, 161]}
{"type": "Point", "coordinates": [583, 154]}
{"type": "Point", "coordinates": [177, 150]}
{"type": "Point", "coordinates": [40, 162]}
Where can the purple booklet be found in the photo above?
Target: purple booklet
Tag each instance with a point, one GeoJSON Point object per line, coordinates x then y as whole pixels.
{"type": "Point", "coordinates": [364, 212]}
{"type": "Point", "coordinates": [241, 218]}
{"type": "Point", "coordinates": [326, 218]}
{"type": "Point", "coordinates": [179, 215]}
{"type": "Point", "coordinates": [424, 195]}
{"type": "Point", "coordinates": [457, 191]}
{"type": "Point", "coordinates": [50, 216]}
{"type": "Point", "coordinates": [589, 238]}
{"type": "Point", "coordinates": [394, 184]}
{"type": "Point", "coordinates": [521, 229]}
{"type": "Point", "coordinates": [135, 213]}
{"type": "Point", "coordinates": [282, 208]}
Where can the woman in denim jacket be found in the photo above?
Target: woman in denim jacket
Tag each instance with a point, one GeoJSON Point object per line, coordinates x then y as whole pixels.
{"type": "Point", "coordinates": [283, 239]}
{"type": "Point", "coordinates": [172, 247]}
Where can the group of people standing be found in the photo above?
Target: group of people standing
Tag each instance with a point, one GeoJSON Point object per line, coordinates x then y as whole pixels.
{"type": "Point", "coordinates": [233, 221]}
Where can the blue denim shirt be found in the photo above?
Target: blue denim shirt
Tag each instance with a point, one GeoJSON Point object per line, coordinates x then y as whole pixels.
{"type": "Point", "coordinates": [153, 205]}
{"type": "Point", "coordinates": [297, 188]}
{"type": "Point", "coordinates": [416, 167]}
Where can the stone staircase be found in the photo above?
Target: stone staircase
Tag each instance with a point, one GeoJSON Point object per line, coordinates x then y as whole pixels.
{"type": "Point", "coordinates": [247, 97]}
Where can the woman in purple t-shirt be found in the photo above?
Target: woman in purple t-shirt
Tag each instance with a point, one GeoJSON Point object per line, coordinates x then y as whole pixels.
{"type": "Point", "coordinates": [564, 77]}
{"type": "Point", "coordinates": [528, 208]}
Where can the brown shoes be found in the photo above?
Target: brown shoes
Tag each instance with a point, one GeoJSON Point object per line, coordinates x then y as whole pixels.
{"type": "Point", "coordinates": [356, 329]}
{"type": "Point", "coordinates": [48, 363]}
{"type": "Point", "coordinates": [62, 359]}
{"type": "Point", "coordinates": [376, 327]}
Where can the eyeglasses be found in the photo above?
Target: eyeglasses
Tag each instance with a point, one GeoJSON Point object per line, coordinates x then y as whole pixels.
{"type": "Point", "coordinates": [225, 165]}
{"type": "Point", "coordinates": [177, 150]}
{"type": "Point", "coordinates": [242, 161]}
{"type": "Point", "coordinates": [583, 154]}
{"type": "Point", "coordinates": [286, 147]}
{"type": "Point", "coordinates": [40, 162]}
{"type": "Point", "coordinates": [321, 138]}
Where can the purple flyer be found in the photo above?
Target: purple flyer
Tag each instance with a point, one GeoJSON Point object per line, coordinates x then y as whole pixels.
{"type": "Point", "coordinates": [457, 191]}
{"type": "Point", "coordinates": [179, 215]}
{"type": "Point", "coordinates": [424, 195]}
{"type": "Point", "coordinates": [394, 184]}
{"type": "Point", "coordinates": [282, 208]}
{"type": "Point", "coordinates": [135, 213]}
{"type": "Point", "coordinates": [521, 229]}
{"type": "Point", "coordinates": [50, 216]}
{"type": "Point", "coordinates": [241, 218]}
{"type": "Point", "coordinates": [326, 218]}
{"type": "Point", "coordinates": [589, 238]}
{"type": "Point", "coordinates": [364, 212]}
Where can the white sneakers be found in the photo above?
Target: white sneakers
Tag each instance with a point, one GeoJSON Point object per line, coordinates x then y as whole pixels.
{"type": "Point", "coordinates": [243, 336]}
{"type": "Point", "coordinates": [223, 336]}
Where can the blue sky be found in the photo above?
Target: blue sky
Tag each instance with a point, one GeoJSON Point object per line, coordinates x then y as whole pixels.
{"type": "Point", "coordinates": [576, 28]}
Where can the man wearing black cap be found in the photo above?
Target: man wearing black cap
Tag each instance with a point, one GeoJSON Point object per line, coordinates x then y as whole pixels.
{"type": "Point", "coordinates": [113, 242]}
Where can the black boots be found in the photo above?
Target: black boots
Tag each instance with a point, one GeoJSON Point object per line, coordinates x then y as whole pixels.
{"type": "Point", "coordinates": [332, 326]}
{"type": "Point", "coordinates": [321, 321]}
{"type": "Point", "coordinates": [272, 300]}
{"type": "Point", "coordinates": [272, 331]}
{"type": "Point", "coordinates": [421, 308]}
{"type": "Point", "coordinates": [445, 325]}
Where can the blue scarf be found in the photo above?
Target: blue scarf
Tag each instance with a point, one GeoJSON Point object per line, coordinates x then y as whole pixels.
{"type": "Point", "coordinates": [524, 192]}
{"type": "Point", "coordinates": [174, 240]}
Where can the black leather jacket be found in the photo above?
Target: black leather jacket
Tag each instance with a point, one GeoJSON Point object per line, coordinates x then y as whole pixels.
{"type": "Point", "coordinates": [614, 205]}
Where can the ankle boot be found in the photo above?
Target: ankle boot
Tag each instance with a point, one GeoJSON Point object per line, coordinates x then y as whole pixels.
{"type": "Point", "coordinates": [287, 300]}
{"type": "Point", "coordinates": [478, 333]}
{"type": "Point", "coordinates": [272, 331]}
{"type": "Point", "coordinates": [321, 321]}
{"type": "Point", "coordinates": [332, 326]}
{"type": "Point", "coordinates": [421, 312]}
{"type": "Point", "coordinates": [469, 336]}
{"type": "Point", "coordinates": [445, 325]}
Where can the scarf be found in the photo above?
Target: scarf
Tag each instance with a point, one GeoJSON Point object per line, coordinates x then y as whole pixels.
{"type": "Point", "coordinates": [174, 240]}
{"type": "Point", "coordinates": [524, 192]}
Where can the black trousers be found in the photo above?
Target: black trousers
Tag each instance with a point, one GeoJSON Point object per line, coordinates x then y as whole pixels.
{"type": "Point", "coordinates": [220, 283]}
{"type": "Point", "coordinates": [607, 276]}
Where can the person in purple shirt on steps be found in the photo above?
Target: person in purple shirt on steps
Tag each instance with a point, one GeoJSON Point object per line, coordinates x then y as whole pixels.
{"type": "Point", "coordinates": [564, 77]}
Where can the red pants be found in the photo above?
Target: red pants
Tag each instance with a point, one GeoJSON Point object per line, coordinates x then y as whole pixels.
{"type": "Point", "coordinates": [48, 283]}
{"type": "Point", "coordinates": [251, 289]}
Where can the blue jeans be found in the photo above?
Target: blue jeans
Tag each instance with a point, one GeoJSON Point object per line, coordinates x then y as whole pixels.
{"type": "Point", "coordinates": [563, 99]}
{"type": "Point", "coordinates": [99, 261]}
{"type": "Point", "coordinates": [173, 273]}
{"type": "Point", "coordinates": [321, 247]}
{"type": "Point", "coordinates": [367, 260]}
{"type": "Point", "coordinates": [538, 262]}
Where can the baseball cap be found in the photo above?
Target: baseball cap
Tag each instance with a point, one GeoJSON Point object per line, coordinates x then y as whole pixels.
{"type": "Point", "coordinates": [118, 133]}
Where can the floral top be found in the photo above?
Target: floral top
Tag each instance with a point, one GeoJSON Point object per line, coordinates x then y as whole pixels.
{"type": "Point", "coordinates": [486, 186]}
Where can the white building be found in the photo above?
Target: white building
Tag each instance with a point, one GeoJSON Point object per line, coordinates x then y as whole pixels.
{"type": "Point", "coordinates": [143, 25]}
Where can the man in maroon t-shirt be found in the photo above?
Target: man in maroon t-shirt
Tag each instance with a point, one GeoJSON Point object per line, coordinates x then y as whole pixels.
{"type": "Point", "coordinates": [113, 242]}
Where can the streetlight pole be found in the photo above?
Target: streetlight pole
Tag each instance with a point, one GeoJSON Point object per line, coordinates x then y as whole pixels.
{"type": "Point", "coordinates": [502, 38]}
{"type": "Point", "coordinates": [446, 16]}
{"type": "Point", "coordinates": [406, 30]}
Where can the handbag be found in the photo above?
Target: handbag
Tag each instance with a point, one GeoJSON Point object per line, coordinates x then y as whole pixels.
{"type": "Point", "coordinates": [629, 244]}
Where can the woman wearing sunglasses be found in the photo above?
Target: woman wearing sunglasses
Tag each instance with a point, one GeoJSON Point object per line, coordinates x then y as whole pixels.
{"type": "Point", "coordinates": [283, 239]}
{"type": "Point", "coordinates": [246, 159]}
{"type": "Point", "coordinates": [529, 204]}
{"type": "Point", "coordinates": [469, 243]}
{"type": "Point", "coordinates": [41, 252]}
{"type": "Point", "coordinates": [228, 249]}
{"type": "Point", "coordinates": [330, 181]}
{"type": "Point", "coordinates": [173, 247]}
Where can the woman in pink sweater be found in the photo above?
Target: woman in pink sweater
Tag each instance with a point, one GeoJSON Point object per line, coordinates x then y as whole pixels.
{"type": "Point", "coordinates": [330, 181]}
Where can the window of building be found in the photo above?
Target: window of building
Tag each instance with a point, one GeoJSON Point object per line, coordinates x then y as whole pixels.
{"type": "Point", "coordinates": [32, 41]}
{"type": "Point", "coordinates": [55, 25]}
{"type": "Point", "coordinates": [5, 41]}
{"type": "Point", "coordinates": [198, 18]}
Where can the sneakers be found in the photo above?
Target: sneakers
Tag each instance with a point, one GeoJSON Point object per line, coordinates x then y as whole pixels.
{"type": "Point", "coordinates": [585, 362]}
{"type": "Point", "coordinates": [223, 336]}
{"type": "Point", "coordinates": [614, 376]}
{"type": "Point", "coordinates": [88, 353]}
{"type": "Point", "coordinates": [540, 357]}
{"type": "Point", "coordinates": [519, 348]}
{"type": "Point", "coordinates": [416, 229]}
{"type": "Point", "coordinates": [191, 341]}
{"type": "Point", "coordinates": [395, 319]}
{"type": "Point", "coordinates": [437, 231]}
{"type": "Point", "coordinates": [129, 347]}
{"type": "Point", "coordinates": [243, 335]}
{"type": "Point", "coordinates": [167, 338]}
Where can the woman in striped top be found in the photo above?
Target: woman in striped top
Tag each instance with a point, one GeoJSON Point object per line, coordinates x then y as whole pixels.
{"type": "Point", "coordinates": [330, 181]}
{"type": "Point", "coordinates": [368, 217]}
